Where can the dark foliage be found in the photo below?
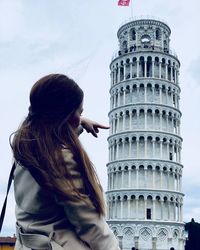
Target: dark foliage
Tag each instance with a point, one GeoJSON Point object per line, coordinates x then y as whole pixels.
{"type": "Point", "coordinates": [193, 229]}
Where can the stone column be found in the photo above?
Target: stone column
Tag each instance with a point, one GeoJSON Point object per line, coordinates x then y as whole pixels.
{"type": "Point", "coordinates": [175, 80]}
{"type": "Point", "coordinates": [153, 116]}
{"type": "Point", "coordinates": [145, 208]}
{"type": "Point", "coordinates": [129, 207]}
{"type": "Point", "coordinates": [161, 122]}
{"type": "Point", "coordinates": [123, 121]}
{"type": "Point", "coordinates": [112, 181]}
{"type": "Point", "coordinates": [112, 152]}
{"type": "Point", "coordinates": [137, 179]}
{"type": "Point", "coordinates": [171, 73]}
{"type": "Point", "coordinates": [159, 69]}
{"type": "Point", "coordinates": [118, 74]}
{"type": "Point", "coordinates": [124, 97]}
{"type": "Point", "coordinates": [177, 77]}
{"type": "Point", "coordinates": [136, 207]}
{"type": "Point", "coordinates": [176, 152]}
{"type": "Point", "coordinates": [161, 149]}
{"type": "Point", "coordinates": [181, 212]}
{"type": "Point", "coordinates": [121, 210]}
{"type": "Point", "coordinates": [137, 92]}
{"type": "Point", "coordinates": [137, 115]}
{"type": "Point", "coordinates": [124, 71]}
{"type": "Point", "coordinates": [137, 146]}
{"type": "Point", "coordinates": [178, 182]}
{"type": "Point", "coordinates": [166, 71]}
{"type": "Point", "coordinates": [180, 186]}
{"type": "Point", "coordinates": [153, 144]}
{"type": "Point", "coordinates": [120, 239]}
{"type": "Point", "coordinates": [117, 180]}
{"type": "Point", "coordinates": [137, 68]}
{"type": "Point", "coordinates": [153, 68]}
{"type": "Point", "coordinates": [154, 209]}
{"type": "Point", "coordinates": [130, 119]}
{"type": "Point", "coordinates": [162, 209]}
{"type": "Point", "coordinates": [118, 93]}
{"type": "Point", "coordinates": [130, 148]}
{"type": "Point", "coordinates": [145, 68]}
{"type": "Point", "coordinates": [122, 180]}
{"type": "Point", "coordinates": [117, 150]}
{"type": "Point", "coordinates": [175, 216]}
{"type": "Point", "coordinates": [145, 119]}
{"type": "Point", "coordinates": [167, 150]}
{"type": "Point", "coordinates": [114, 75]}
{"type": "Point", "coordinates": [153, 90]}
{"type": "Point", "coordinates": [111, 77]}
{"type": "Point", "coordinates": [168, 202]}
{"type": "Point", "coordinates": [123, 146]}
{"type": "Point", "coordinates": [115, 99]}
{"type": "Point", "coordinates": [118, 121]}
{"type": "Point", "coordinates": [145, 93]}
{"type": "Point", "coordinates": [131, 70]}
{"type": "Point", "coordinates": [154, 241]}
{"type": "Point", "coordinates": [129, 177]}
{"type": "Point", "coordinates": [161, 178]}
{"type": "Point", "coordinates": [136, 239]}
{"type": "Point", "coordinates": [145, 147]}
{"type": "Point", "coordinates": [166, 91]}
{"type": "Point", "coordinates": [145, 176]}
{"type": "Point", "coordinates": [154, 178]}
{"type": "Point", "coordinates": [160, 94]}
{"type": "Point", "coordinates": [168, 179]}
{"type": "Point", "coordinates": [173, 178]}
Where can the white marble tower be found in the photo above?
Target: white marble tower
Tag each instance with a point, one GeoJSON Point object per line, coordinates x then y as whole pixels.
{"type": "Point", "coordinates": [144, 194]}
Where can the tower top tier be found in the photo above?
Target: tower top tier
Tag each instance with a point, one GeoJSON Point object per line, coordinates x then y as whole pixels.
{"type": "Point", "coordinates": [142, 34]}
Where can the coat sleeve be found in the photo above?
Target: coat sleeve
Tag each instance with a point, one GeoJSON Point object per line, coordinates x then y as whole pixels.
{"type": "Point", "coordinates": [89, 225]}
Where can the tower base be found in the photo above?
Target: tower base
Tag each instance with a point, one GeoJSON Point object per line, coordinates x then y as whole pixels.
{"type": "Point", "coordinates": [148, 235]}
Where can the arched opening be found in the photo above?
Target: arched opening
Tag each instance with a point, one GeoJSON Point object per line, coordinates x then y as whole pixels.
{"type": "Point", "coordinates": [133, 35]}
{"type": "Point", "coordinates": [121, 71]}
{"type": "Point", "coordinates": [134, 67]}
{"type": "Point", "coordinates": [158, 34]}
{"type": "Point", "coordinates": [124, 46]}
{"type": "Point", "coordinates": [156, 68]}
{"type": "Point", "coordinates": [163, 68]}
{"type": "Point", "coordinates": [141, 68]}
{"type": "Point", "coordinates": [149, 66]}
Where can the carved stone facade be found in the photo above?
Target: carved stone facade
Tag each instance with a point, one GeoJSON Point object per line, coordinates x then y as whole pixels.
{"type": "Point", "coordinates": [144, 196]}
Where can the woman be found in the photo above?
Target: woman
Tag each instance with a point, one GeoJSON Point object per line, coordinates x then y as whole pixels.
{"type": "Point", "coordinates": [59, 200]}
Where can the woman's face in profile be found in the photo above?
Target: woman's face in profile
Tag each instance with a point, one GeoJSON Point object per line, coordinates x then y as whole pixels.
{"type": "Point", "coordinates": [75, 118]}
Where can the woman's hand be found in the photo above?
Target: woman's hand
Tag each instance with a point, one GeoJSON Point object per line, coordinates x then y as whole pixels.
{"type": "Point", "coordinates": [92, 126]}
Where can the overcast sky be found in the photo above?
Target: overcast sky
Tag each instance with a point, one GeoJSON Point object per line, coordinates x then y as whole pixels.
{"type": "Point", "coordinates": [78, 38]}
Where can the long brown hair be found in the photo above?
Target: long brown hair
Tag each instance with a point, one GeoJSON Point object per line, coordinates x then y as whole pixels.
{"type": "Point", "coordinates": [38, 143]}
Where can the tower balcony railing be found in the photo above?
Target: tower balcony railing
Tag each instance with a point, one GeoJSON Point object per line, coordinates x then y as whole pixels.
{"type": "Point", "coordinates": [143, 17]}
{"type": "Point", "coordinates": [145, 48]}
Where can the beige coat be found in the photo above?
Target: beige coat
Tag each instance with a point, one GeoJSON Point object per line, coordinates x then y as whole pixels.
{"type": "Point", "coordinates": [69, 224]}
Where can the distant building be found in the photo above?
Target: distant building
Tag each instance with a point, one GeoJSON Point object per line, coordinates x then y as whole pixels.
{"type": "Point", "coordinates": [144, 194]}
{"type": "Point", "coordinates": [7, 243]}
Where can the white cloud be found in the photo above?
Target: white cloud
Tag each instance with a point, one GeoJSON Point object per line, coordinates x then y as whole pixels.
{"type": "Point", "coordinates": [10, 19]}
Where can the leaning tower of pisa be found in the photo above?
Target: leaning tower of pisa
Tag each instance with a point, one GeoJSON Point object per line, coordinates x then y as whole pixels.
{"type": "Point", "coordinates": [144, 194]}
